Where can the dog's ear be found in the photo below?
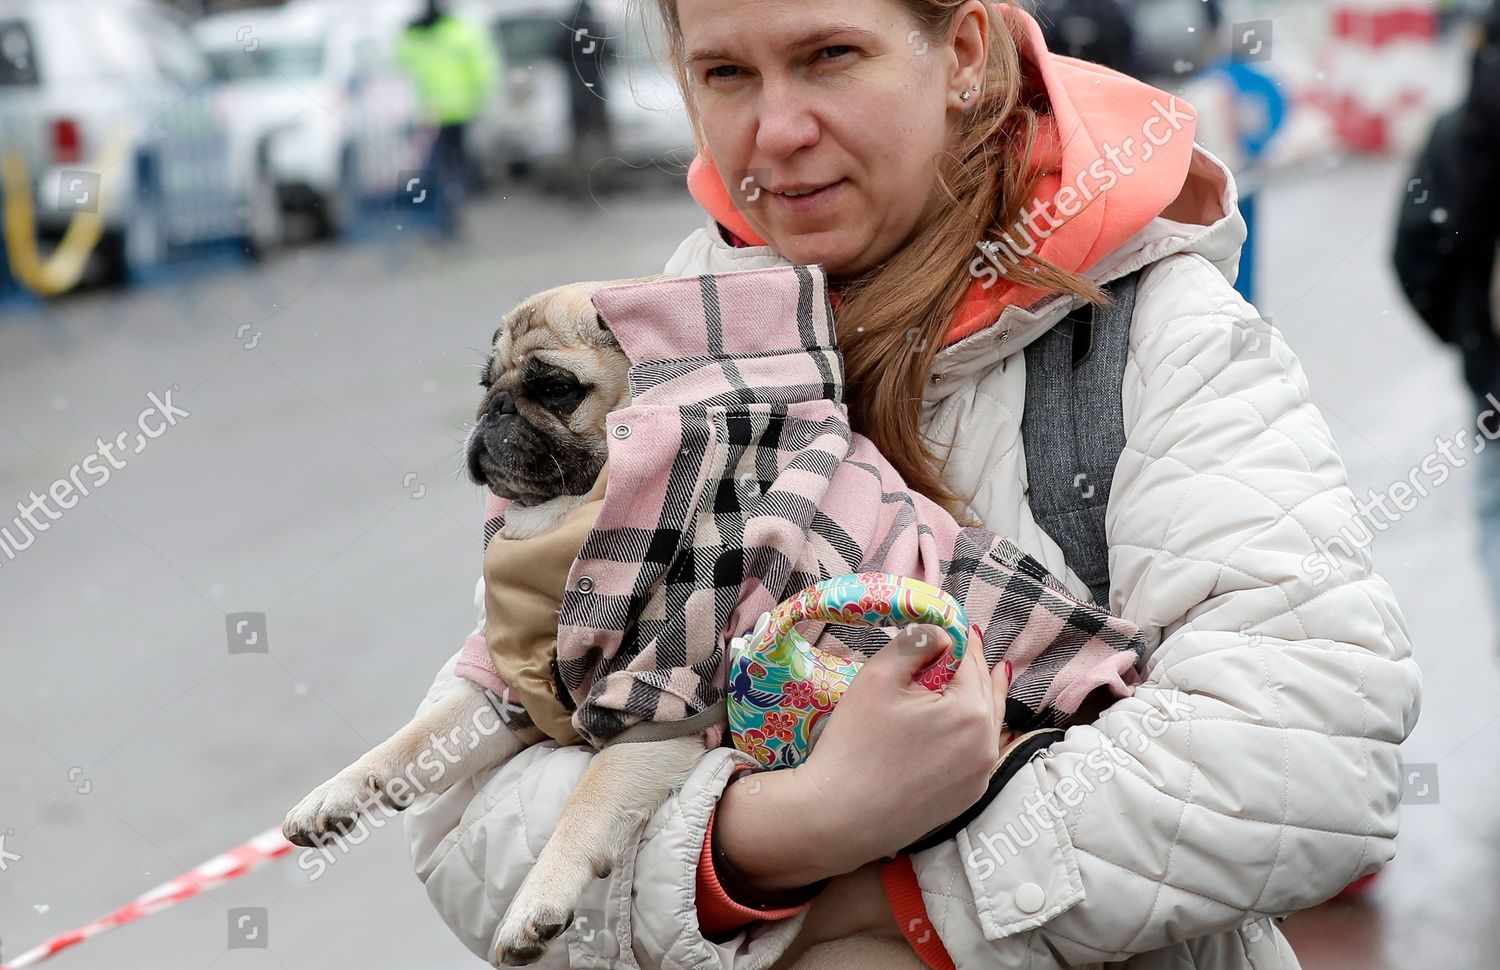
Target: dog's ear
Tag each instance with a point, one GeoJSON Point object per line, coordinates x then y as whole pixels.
{"type": "Point", "coordinates": [605, 337]}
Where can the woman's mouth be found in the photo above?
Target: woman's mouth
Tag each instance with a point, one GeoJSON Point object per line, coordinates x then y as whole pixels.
{"type": "Point", "coordinates": [805, 199]}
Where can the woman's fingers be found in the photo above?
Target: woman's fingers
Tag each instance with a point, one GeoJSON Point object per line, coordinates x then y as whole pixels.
{"type": "Point", "coordinates": [1000, 677]}
{"type": "Point", "coordinates": [974, 670]}
{"type": "Point", "coordinates": [911, 649]}
{"type": "Point", "coordinates": [977, 677]}
{"type": "Point", "coordinates": [943, 745]}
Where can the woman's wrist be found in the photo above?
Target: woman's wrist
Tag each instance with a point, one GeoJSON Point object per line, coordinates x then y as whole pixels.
{"type": "Point", "coordinates": [774, 836]}
{"type": "Point", "coordinates": [1020, 749]}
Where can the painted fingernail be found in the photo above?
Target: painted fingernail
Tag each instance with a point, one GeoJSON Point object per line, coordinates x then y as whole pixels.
{"type": "Point", "coordinates": [1007, 671]}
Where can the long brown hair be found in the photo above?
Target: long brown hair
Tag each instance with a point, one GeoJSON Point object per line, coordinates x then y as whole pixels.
{"type": "Point", "coordinates": [893, 317]}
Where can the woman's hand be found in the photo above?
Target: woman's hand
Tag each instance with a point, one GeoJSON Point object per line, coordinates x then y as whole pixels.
{"type": "Point", "coordinates": [890, 739]}
{"type": "Point", "coordinates": [853, 800]}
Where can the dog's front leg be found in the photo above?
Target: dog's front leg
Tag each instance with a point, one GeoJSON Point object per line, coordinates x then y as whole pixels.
{"type": "Point", "coordinates": [452, 740]}
{"type": "Point", "coordinates": [622, 789]}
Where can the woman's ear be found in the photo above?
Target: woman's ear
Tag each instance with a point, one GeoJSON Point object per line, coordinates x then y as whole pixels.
{"type": "Point", "coordinates": [971, 51]}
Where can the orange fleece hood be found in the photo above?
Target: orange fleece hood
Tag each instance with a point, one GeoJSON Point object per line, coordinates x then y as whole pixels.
{"type": "Point", "coordinates": [1115, 152]}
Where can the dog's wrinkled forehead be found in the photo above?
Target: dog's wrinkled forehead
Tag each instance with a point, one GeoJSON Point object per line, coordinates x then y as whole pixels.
{"type": "Point", "coordinates": [558, 319]}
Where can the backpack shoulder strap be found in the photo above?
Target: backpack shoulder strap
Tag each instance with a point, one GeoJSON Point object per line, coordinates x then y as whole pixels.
{"type": "Point", "coordinates": [1073, 428]}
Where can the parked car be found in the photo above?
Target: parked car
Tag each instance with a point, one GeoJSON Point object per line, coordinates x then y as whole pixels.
{"type": "Point", "coordinates": [112, 106]}
{"type": "Point", "coordinates": [319, 78]}
{"type": "Point", "coordinates": [647, 119]}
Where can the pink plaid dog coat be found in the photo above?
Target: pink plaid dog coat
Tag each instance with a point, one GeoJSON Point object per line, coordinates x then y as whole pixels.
{"type": "Point", "coordinates": [735, 481]}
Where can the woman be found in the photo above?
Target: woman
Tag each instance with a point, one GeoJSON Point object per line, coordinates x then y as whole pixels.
{"type": "Point", "coordinates": [1253, 773]}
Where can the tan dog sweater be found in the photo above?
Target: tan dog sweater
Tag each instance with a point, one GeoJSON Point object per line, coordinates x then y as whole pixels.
{"type": "Point", "coordinates": [524, 581]}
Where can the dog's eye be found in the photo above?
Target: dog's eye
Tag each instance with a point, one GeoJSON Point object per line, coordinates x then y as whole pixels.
{"type": "Point", "coordinates": [553, 388]}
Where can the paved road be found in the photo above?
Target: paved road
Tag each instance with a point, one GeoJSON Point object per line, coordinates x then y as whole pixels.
{"type": "Point", "coordinates": [315, 480]}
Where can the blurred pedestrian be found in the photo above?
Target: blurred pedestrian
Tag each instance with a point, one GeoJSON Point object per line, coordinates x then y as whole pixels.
{"type": "Point", "coordinates": [582, 52]}
{"type": "Point", "coordinates": [453, 64]}
{"type": "Point", "coordinates": [1448, 258]}
{"type": "Point", "coordinates": [1091, 30]}
{"type": "Point", "coordinates": [1476, 310]}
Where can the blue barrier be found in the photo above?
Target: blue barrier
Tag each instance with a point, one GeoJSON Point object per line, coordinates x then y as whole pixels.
{"type": "Point", "coordinates": [1257, 96]}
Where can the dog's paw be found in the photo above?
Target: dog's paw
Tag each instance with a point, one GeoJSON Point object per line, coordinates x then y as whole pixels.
{"type": "Point", "coordinates": [333, 808]}
{"type": "Point", "coordinates": [524, 935]}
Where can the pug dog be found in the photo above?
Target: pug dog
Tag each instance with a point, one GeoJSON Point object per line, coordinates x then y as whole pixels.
{"type": "Point", "coordinates": [555, 371]}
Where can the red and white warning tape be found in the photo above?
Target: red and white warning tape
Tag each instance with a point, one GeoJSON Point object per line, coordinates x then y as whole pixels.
{"type": "Point", "coordinates": [216, 871]}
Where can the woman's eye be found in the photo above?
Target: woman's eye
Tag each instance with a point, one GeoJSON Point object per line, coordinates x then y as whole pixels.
{"type": "Point", "coordinates": [723, 71]}
{"type": "Point", "coordinates": [836, 51]}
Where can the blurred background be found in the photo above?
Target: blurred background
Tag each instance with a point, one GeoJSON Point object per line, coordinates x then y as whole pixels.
{"type": "Point", "coordinates": [296, 226]}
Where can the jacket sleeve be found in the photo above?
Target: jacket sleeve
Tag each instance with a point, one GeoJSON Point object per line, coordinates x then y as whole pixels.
{"type": "Point", "coordinates": [1255, 769]}
{"type": "Point", "coordinates": [484, 58]}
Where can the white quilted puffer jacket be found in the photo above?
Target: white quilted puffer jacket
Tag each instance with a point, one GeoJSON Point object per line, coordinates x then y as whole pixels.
{"type": "Point", "coordinates": [1254, 772]}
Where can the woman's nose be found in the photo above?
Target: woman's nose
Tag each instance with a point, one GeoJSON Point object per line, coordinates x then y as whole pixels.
{"type": "Point", "coordinates": [786, 122]}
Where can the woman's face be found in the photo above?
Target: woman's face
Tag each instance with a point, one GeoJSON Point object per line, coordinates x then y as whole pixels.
{"type": "Point", "coordinates": [844, 97]}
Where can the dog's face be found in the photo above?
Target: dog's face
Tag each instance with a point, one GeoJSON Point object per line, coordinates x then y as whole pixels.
{"type": "Point", "coordinates": [553, 373]}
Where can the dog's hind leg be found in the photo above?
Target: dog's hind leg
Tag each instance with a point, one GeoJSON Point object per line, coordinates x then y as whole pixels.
{"type": "Point", "coordinates": [452, 740]}
{"type": "Point", "coordinates": [623, 787]}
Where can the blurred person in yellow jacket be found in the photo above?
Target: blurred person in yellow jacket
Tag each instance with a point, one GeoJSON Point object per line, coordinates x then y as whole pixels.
{"type": "Point", "coordinates": [452, 63]}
